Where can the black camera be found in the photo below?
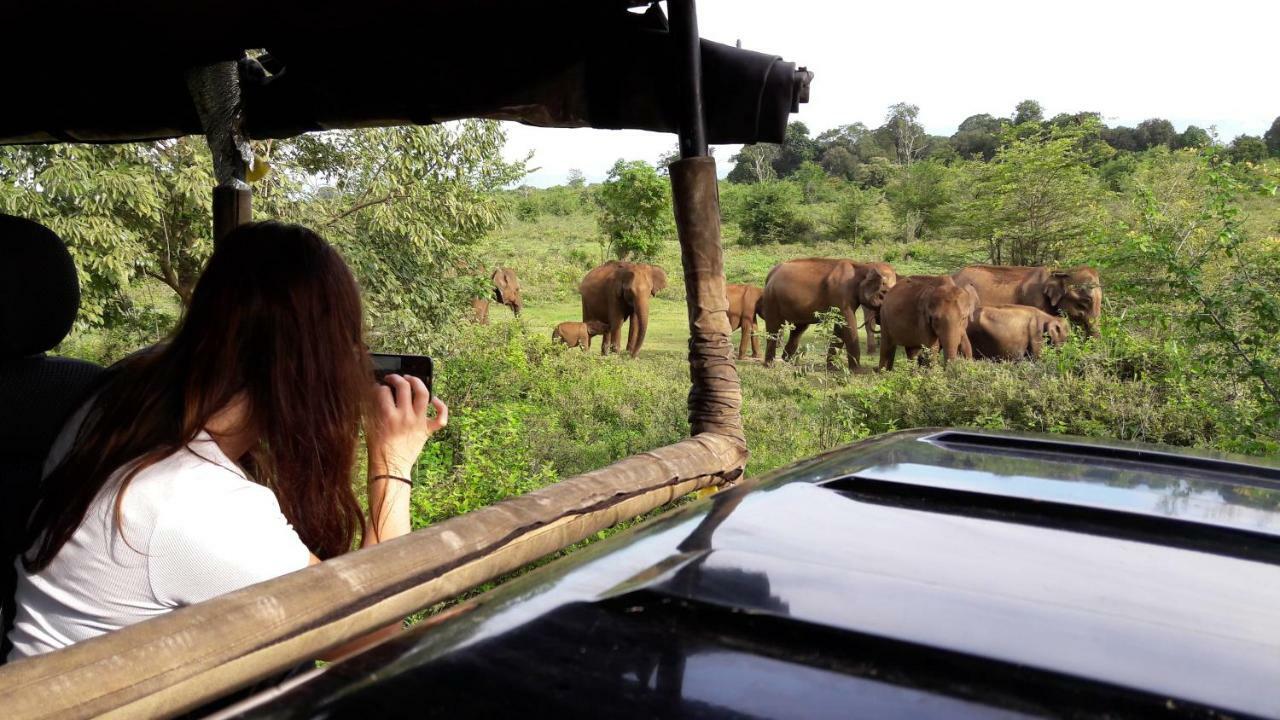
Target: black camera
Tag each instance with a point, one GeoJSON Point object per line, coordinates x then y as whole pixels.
{"type": "Point", "coordinates": [419, 366]}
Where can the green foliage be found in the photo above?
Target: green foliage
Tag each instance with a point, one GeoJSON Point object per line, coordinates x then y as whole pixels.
{"type": "Point", "coordinates": [978, 137]}
{"type": "Point", "coordinates": [128, 213]}
{"type": "Point", "coordinates": [754, 163]}
{"type": "Point", "coordinates": [864, 215]}
{"type": "Point", "coordinates": [635, 210]}
{"type": "Point", "coordinates": [920, 197]}
{"type": "Point", "coordinates": [1248, 149]}
{"type": "Point", "coordinates": [1154, 133]}
{"type": "Point", "coordinates": [1272, 138]}
{"type": "Point", "coordinates": [407, 206]}
{"type": "Point", "coordinates": [768, 214]}
{"type": "Point", "coordinates": [875, 173]}
{"type": "Point", "coordinates": [1028, 111]}
{"type": "Point", "coordinates": [815, 185]}
{"type": "Point", "coordinates": [1037, 201]}
{"type": "Point", "coordinates": [797, 148]}
{"type": "Point", "coordinates": [1194, 138]}
{"type": "Point", "coordinates": [1191, 272]}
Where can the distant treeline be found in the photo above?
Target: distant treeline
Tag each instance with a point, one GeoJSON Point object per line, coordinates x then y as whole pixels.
{"type": "Point", "coordinates": [862, 154]}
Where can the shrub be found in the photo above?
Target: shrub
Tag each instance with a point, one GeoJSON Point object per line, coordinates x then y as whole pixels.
{"type": "Point", "coordinates": [769, 215]}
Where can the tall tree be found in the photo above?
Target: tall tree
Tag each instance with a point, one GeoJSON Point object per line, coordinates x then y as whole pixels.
{"type": "Point", "coordinates": [797, 149]}
{"type": "Point", "coordinates": [753, 163]}
{"type": "Point", "coordinates": [1272, 138]}
{"type": "Point", "coordinates": [1153, 132]}
{"type": "Point", "coordinates": [635, 210]}
{"type": "Point", "coordinates": [978, 136]}
{"type": "Point", "coordinates": [908, 136]}
{"type": "Point", "coordinates": [1121, 138]}
{"type": "Point", "coordinates": [1248, 148]}
{"type": "Point", "coordinates": [1192, 137]}
{"type": "Point", "coordinates": [1036, 199]}
{"type": "Point", "coordinates": [1028, 111]}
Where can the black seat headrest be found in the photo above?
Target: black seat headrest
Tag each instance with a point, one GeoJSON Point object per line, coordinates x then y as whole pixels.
{"type": "Point", "coordinates": [39, 290]}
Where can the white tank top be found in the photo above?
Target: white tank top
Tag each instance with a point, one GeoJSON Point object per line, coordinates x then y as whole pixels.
{"type": "Point", "coordinates": [193, 527]}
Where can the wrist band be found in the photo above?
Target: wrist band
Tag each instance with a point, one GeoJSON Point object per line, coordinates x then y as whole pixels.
{"type": "Point", "coordinates": [406, 481]}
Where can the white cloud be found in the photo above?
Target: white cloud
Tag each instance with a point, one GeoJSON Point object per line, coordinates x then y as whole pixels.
{"type": "Point", "coordinates": [1128, 60]}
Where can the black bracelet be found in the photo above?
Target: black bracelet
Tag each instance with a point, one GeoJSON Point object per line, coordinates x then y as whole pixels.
{"type": "Point", "coordinates": [406, 481]}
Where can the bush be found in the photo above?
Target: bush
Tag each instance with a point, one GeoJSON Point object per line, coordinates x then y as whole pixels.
{"type": "Point", "coordinates": [863, 216]}
{"type": "Point", "coordinates": [768, 214]}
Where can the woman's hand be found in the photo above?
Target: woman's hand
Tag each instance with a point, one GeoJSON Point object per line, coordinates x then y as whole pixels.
{"type": "Point", "coordinates": [400, 427]}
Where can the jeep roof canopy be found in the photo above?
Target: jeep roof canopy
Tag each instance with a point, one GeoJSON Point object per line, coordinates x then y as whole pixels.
{"type": "Point", "coordinates": [114, 72]}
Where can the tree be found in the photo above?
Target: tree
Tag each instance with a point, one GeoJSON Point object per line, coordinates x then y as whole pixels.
{"type": "Point", "coordinates": [1192, 137]}
{"type": "Point", "coordinates": [1028, 111]}
{"type": "Point", "coordinates": [1272, 138]}
{"type": "Point", "coordinates": [1248, 148]}
{"type": "Point", "coordinates": [1122, 138]}
{"type": "Point", "coordinates": [1035, 199]}
{"type": "Point", "coordinates": [812, 181]}
{"type": "Point", "coordinates": [920, 196]}
{"type": "Point", "coordinates": [978, 136]}
{"type": "Point", "coordinates": [1153, 132]}
{"type": "Point", "coordinates": [635, 210]}
{"type": "Point", "coordinates": [127, 213]}
{"type": "Point", "coordinates": [875, 173]}
{"type": "Point", "coordinates": [863, 215]}
{"type": "Point", "coordinates": [411, 204]}
{"type": "Point", "coordinates": [575, 179]}
{"type": "Point", "coordinates": [768, 214]}
{"type": "Point", "coordinates": [753, 163]}
{"type": "Point", "coordinates": [906, 134]}
{"type": "Point", "coordinates": [797, 148]}
{"type": "Point", "coordinates": [839, 161]}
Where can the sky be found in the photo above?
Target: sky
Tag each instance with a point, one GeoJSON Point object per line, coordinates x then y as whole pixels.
{"type": "Point", "coordinates": [1194, 63]}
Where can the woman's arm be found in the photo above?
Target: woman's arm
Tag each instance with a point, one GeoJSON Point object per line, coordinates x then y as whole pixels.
{"type": "Point", "coordinates": [395, 437]}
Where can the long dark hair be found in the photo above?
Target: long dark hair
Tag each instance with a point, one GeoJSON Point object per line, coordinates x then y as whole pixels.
{"type": "Point", "coordinates": [275, 319]}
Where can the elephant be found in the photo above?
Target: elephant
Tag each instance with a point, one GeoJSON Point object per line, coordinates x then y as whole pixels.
{"type": "Point", "coordinates": [578, 334]}
{"type": "Point", "coordinates": [480, 311]}
{"type": "Point", "coordinates": [796, 290]}
{"type": "Point", "coordinates": [744, 308]}
{"type": "Point", "coordinates": [506, 290]}
{"type": "Point", "coordinates": [618, 291]}
{"type": "Point", "coordinates": [926, 311]}
{"type": "Point", "coordinates": [1013, 332]}
{"type": "Point", "coordinates": [1075, 293]}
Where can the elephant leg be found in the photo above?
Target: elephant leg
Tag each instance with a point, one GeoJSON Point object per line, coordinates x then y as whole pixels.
{"type": "Point", "coordinates": [849, 335]}
{"type": "Point", "coordinates": [887, 352]}
{"type": "Point", "coordinates": [755, 341]}
{"type": "Point", "coordinates": [771, 342]}
{"type": "Point", "coordinates": [966, 348]}
{"type": "Point", "coordinates": [913, 353]}
{"type": "Point", "coordinates": [742, 342]}
{"type": "Point", "coordinates": [793, 342]}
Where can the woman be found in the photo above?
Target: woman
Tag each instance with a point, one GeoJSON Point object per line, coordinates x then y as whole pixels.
{"type": "Point", "coordinates": [224, 458]}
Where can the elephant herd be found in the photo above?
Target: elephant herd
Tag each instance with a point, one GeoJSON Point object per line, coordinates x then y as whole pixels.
{"type": "Point", "coordinates": [985, 311]}
{"type": "Point", "coordinates": [994, 312]}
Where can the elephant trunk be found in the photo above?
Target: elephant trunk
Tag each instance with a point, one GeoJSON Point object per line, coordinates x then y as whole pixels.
{"type": "Point", "coordinates": [952, 338]}
{"type": "Point", "coordinates": [639, 325]}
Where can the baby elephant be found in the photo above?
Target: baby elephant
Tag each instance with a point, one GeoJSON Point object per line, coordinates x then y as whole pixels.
{"type": "Point", "coordinates": [926, 311]}
{"type": "Point", "coordinates": [1013, 332]}
{"type": "Point", "coordinates": [578, 334]}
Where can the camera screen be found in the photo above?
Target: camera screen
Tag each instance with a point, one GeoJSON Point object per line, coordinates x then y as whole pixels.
{"type": "Point", "coordinates": [420, 366]}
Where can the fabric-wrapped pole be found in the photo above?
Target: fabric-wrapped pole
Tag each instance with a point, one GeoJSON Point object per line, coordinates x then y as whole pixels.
{"type": "Point", "coordinates": [215, 92]}
{"type": "Point", "coordinates": [715, 398]}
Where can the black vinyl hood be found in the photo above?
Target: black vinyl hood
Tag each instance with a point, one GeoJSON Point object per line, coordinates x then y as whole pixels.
{"type": "Point", "coordinates": [115, 72]}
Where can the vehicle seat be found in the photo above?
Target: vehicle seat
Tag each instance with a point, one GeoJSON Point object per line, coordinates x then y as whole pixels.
{"type": "Point", "coordinates": [39, 298]}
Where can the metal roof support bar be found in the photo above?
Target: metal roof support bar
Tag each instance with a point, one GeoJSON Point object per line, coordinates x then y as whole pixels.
{"type": "Point", "coordinates": [215, 92]}
{"type": "Point", "coordinates": [715, 397]}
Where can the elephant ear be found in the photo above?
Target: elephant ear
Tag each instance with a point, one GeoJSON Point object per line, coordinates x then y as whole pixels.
{"type": "Point", "coordinates": [658, 277]}
{"type": "Point", "coordinates": [975, 303]}
{"type": "Point", "coordinates": [871, 281]}
{"type": "Point", "coordinates": [922, 307]}
{"type": "Point", "coordinates": [1056, 287]}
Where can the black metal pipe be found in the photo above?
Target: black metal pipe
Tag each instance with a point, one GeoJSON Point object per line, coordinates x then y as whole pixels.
{"type": "Point", "coordinates": [688, 63]}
